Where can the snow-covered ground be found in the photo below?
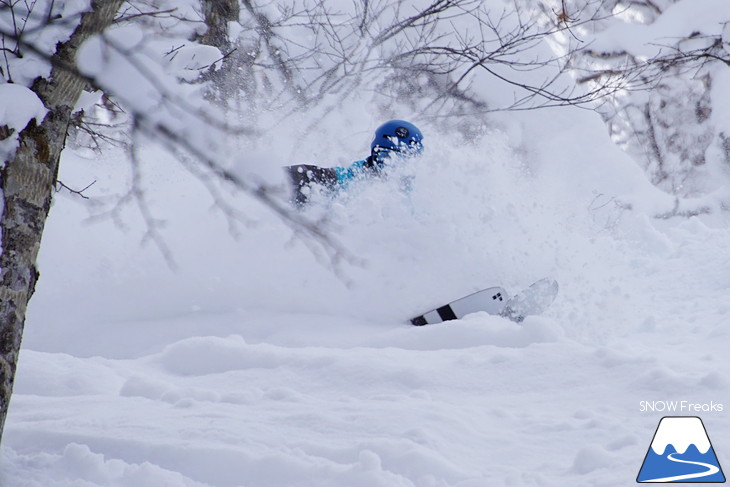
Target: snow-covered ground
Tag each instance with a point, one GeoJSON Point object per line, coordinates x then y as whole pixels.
{"type": "Point", "coordinates": [254, 364]}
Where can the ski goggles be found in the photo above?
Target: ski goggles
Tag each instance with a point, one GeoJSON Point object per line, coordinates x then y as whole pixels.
{"type": "Point", "coordinates": [413, 149]}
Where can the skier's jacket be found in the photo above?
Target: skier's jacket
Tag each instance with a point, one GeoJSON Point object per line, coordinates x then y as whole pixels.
{"type": "Point", "coordinates": [334, 179]}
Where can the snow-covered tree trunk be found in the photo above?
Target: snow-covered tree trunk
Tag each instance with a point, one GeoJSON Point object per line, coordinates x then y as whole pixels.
{"type": "Point", "coordinates": [218, 13]}
{"type": "Point", "coordinates": [28, 180]}
{"type": "Point", "coordinates": [226, 76]}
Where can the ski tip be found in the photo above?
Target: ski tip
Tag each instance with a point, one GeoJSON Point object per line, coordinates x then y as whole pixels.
{"type": "Point", "coordinates": [547, 283]}
{"type": "Point", "coordinates": [532, 300]}
{"type": "Point", "coordinates": [554, 285]}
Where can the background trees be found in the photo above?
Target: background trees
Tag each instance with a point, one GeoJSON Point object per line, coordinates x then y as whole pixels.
{"type": "Point", "coordinates": [671, 117]}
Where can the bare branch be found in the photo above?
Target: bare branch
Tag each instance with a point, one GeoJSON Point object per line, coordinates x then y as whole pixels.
{"type": "Point", "coordinates": [78, 192]}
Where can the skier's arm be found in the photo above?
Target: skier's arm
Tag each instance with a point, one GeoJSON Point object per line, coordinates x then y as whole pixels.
{"type": "Point", "coordinates": [305, 174]}
{"type": "Point", "coordinates": [302, 176]}
{"type": "Point", "coordinates": [347, 174]}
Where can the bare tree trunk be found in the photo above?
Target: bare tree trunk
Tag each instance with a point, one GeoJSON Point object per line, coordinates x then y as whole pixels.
{"type": "Point", "coordinates": [235, 69]}
{"type": "Point", "coordinates": [217, 15]}
{"type": "Point", "coordinates": [27, 187]}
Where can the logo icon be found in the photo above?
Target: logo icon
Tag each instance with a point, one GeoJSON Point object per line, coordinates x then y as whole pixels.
{"type": "Point", "coordinates": [681, 452]}
{"type": "Point", "coordinates": [402, 132]}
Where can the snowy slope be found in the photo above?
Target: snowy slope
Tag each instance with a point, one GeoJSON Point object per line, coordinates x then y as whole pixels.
{"type": "Point", "coordinates": [253, 364]}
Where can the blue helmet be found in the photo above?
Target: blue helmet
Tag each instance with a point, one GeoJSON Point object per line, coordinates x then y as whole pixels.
{"type": "Point", "coordinates": [396, 136]}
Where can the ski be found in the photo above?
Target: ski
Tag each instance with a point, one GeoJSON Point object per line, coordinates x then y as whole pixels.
{"type": "Point", "coordinates": [532, 300]}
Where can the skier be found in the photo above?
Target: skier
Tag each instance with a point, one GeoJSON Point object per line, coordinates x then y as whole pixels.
{"type": "Point", "coordinates": [395, 140]}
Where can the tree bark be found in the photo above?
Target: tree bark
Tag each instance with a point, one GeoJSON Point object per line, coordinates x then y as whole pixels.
{"type": "Point", "coordinates": [218, 13]}
{"type": "Point", "coordinates": [227, 78]}
{"type": "Point", "coordinates": [27, 184]}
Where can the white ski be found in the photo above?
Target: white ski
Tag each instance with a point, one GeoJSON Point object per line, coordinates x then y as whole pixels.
{"type": "Point", "coordinates": [530, 301]}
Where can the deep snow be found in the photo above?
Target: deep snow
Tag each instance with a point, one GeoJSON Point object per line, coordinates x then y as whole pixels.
{"type": "Point", "coordinates": [253, 364]}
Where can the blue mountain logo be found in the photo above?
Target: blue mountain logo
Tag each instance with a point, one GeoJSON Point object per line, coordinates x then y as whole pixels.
{"type": "Point", "coordinates": [681, 452]}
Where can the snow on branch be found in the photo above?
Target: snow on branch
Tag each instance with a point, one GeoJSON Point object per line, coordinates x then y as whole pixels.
{"type": "Point", "coordinates": [156, 90]}
{"type": "Point", "coordinates": [677, 51]}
